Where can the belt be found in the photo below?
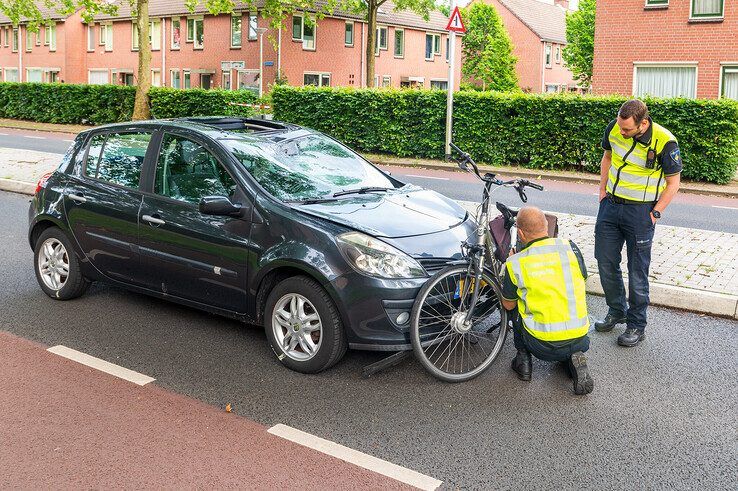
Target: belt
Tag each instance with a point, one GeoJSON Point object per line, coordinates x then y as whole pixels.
{"type": "Point", "coordinates": [624, 201]}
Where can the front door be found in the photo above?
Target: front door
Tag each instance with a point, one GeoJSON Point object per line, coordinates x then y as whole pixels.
{"type": "Point", "coordinates": [185, 253]}
{"type": "Point", "coordinates": [102, 200]}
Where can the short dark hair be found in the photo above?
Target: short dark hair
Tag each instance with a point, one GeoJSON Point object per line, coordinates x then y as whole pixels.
{"type": "Point", "coordinates": [634, 108]}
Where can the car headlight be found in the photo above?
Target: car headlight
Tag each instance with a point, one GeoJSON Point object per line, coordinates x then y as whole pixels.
{"type": "Point", "coordinates": [376, 258]}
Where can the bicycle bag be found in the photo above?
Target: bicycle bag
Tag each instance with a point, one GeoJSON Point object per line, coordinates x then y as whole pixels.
{"type": "Point", "coordinates": [503, 240]}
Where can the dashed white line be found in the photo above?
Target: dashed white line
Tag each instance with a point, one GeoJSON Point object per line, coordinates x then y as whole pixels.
{"type": "Point", "coordinates": [102, 365]}
{"type": "Point", "coordinates": [37, 137]}
{"type": "Point", "coordinates": [428, 177]}
{"type": "Point", "coordinates": [3, 134]}
{"type": "Point", "coordinates": [355, 457]}
{"type": "Point", "coordinates": [725, 207]}
{"type": "Point", "coordinates": [68, 141]}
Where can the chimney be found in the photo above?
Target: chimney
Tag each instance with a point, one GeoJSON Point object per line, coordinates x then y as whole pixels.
{"type": "Point", "coordinates": [563, 3]}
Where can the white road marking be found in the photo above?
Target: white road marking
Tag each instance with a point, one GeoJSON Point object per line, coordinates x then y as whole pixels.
{"type": "Point", "coordinates": [37, 137]}
{"type": "Point", "coordinates": [428, 177]}
{"type": "Point", "coordinates": [355, 457]}
{"type": "Point", "coordinates": [102, 365]}
{"type": "Point", "coordinates": [3, 134]}
{"type": "Point", "coordinates": [69, 141]}
{"type": "Point", "coordinates": [725, 207]}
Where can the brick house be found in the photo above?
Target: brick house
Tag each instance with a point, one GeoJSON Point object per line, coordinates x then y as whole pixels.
{"type": "Point", "coordinates": [537, 29]}
{"type": "Point", "coordinates": [202, 50]}
{"type": "Point", "coordinates": [667, 48]}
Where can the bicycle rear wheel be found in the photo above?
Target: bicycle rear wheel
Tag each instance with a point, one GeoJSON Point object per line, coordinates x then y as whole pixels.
{"type": "Point", "coordinates": [449, 348]}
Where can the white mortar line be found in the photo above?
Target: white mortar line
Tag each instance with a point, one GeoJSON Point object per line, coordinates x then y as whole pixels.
{"type": "Point", "coordinates": [355, 457]}
{"type": "Point", "coordinates": [102, 365]}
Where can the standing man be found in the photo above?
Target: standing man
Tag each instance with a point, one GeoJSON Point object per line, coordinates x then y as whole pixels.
{"type": "Point", "coordinates": [545, 281]}
{"type": "Point", "coordinates": [639, 176]}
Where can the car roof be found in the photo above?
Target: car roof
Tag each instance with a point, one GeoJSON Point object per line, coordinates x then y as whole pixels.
{"type": "Point", "coordinates": [216, 127]}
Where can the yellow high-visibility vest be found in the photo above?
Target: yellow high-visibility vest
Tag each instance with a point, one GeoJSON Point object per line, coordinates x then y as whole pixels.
{"type": "Point", "coordinates": [551, 294]}
{"type": "Point", "coordinates": [629, 176]}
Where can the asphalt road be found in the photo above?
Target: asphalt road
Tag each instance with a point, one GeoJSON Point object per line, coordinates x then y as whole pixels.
{"type": "Point", "coordinates": [662, 415]}
{"type": "Point", "coordinates": [693, 211]}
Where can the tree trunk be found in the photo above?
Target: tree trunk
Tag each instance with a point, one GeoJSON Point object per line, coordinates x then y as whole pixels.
{"type": "Point", "coordinates": [372, 8]}
{"type": "Point", "coordinates": [141, 108]}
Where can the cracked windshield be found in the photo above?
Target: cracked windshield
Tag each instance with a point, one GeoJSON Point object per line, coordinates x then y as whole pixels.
{"type": "Point", "coordinates": [306, 167]}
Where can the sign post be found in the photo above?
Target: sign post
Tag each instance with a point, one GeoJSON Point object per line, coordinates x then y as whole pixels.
{"type": "Point", "coordinates": [455, 24]}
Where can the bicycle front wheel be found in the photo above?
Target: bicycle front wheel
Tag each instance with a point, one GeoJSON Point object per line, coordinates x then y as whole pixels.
{"type": "Point", "coordinates": [449, 347]}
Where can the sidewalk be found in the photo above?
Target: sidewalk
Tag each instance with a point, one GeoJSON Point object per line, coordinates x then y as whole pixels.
{"type": "Point", "coordinates": [692, 269]}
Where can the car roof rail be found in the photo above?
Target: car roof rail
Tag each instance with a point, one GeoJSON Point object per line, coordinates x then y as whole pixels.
{"type": "Point", "coordinates": [235, 123]}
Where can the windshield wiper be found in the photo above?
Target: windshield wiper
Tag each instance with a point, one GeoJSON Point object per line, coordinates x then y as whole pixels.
{"type": "Point", "coordinates": [311, 201]}
{"type": "Point", "coordinates": [362, 191]}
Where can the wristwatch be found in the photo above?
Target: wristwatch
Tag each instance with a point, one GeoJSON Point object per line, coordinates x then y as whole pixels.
{"type": "Point", "coordinates": [656, 214]}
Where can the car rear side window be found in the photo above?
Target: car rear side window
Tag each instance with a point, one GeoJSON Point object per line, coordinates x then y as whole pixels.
{"type": "Point", "coordinates": [187, 171]}
{"type": "Point", "coordinates": [117, 157]}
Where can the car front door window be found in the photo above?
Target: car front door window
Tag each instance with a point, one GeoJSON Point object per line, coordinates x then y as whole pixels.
{"type": "Point", "coordinates": [187, 171]}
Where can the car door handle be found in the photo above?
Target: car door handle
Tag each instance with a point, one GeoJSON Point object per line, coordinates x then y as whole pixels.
{"type": "Point", "coordinates": [77, 198]}
{"type": "Point", "coordinates": [153, 220]}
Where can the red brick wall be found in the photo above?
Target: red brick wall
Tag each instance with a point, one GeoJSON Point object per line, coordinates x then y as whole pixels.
{"type": "Point", "coordinates": [659, 36]}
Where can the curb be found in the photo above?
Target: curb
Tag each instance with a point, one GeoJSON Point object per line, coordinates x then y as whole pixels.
{"type": "Point", "coordinates": [536, 174]}
{"type": "Point", "coordinates": [677, 297]}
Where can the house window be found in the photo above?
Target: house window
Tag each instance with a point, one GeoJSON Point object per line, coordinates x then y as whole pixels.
{"type": "Point", "coordinates": [706, 8]}
{"type": "Point", "coordinates": [154, 35]}
{"type": "Point", "coordinates": [226, 80]}
{"type": "Point", "coordinates": [380, 40]}
{"type": "Point", "coordinates": [127, 79]}
{"type": "Point", "coordinates": [206, 80]}
{"type": "Point", "coordinates": [37, 36]}
{"type": "Point", "coordinates": [90, 37]}
{"type": "Point", "coordinates": [665, 81]}
{"type": "Point", "coordinates": [448, 47]}
{"type": "Point", "coordinates": [558, 55]}
{"type": "Point", "coordinates": [97, 77]}
{"type": "Point", "coordinates": [108, 36]}
{"type": "Point", "coordinates": [297, 22]}
{"type": "Point", "coordinates": [386, 81]}
{"type": "Point", "coordinates": [317, 79]}
{"type": "Point", "coordinates": [547, 50]}
{"type": "Point", "coordinates": [195, 31]}
{"type": "Point", "coordinates": [436, 44]}
{"type": "Point", "coordinates": [432, 45]}
{"type": "Point", "coordinates": [102, 34]}
{"type": "Point", "coordinates": [551, 88]}
{"type": "Point", "coordinates": [134, 36]}
{"type": "Point", "coordinates": [249, 80]}
{"type": "Point", "coordinates": [377, 79]}
{"type": "Point", "coordinates": [29, 40]}
{"type": "Point", "coordinates": [52, 76]}
{"type": "Point", "coordinates": [236, 31]}
{"type": "Point", "coordinates": [11, 75]}
{"type": "Point", "coordinates": [176, 33]}
{"type": "Point", "coordinates": [729, 85]}
{"type": "Point", "coordinates": [47, 36]}
{"type": "Point", "coordinates": [253, 26]}
{"type": "Point", "coordinates": [156, 78]}
{"type": "Point", "coordinates": [34, 75]}
{"type": "Point", "coordinates": [439, 84]}
{"type": "Point", "coordinates": [52, 37]}
{"type": "Point", "coordinates": [399, 43]}
{"type": "Point", "coordinates": [657, 3]}
{"type": "Point", "coordinates": [308, 35]}
{"type": "Point", "coordinates": [176, 81]}
{"type": "Point", "coordinates": [6, 41]}
{"type": "Point", "coordinates": [187, 80]}
{"type": "Point", "coordinates": [348, 37]}
{"type": "Point", "coordinates": [15, 40]}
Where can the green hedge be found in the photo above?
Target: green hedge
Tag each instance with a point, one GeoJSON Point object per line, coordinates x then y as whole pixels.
{"type": "Point", "coordinates": [99, 104]}
{"type": "Point", "coordinates": [535, 131]}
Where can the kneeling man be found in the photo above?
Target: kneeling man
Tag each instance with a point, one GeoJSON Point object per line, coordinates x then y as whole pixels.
{"type": "Point", "coordinates": [545, 281]}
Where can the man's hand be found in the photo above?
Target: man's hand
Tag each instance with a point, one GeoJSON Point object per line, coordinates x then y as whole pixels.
{"type": "Point", "coordinates": [653, 218]}
{"type": "Point", "coordinates": [512, 251]}
{"type": "Point", "coordinates": [603, 193]}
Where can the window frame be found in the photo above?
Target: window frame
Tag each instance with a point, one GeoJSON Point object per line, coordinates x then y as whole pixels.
{"type": "Point", "coordinates": [52, 40]}
{"type": "Point", "coordinates": [29, 40]}
{"type": "Point", "coordinates": [153, 71]}
{"type": "Point", "coordinates": [186, 78]}
{"type": "Point", "coordinates": [253, 17]}
{"type": "Point", "coordinates": [386, 81]}
{"type": "Point", "coordinates": [98, 70]}
{"type": "Point", "coordinates": [91, 46]}
{"type": "Point", "coordinates": [172, 72]}
{"type": "Point", "coordinates": [557, 54]}
{"type": "Point", "coordinates": [548, 55]}
{"type": "Point", "coordinates": [108, 36]}
{"type": "Point", "coordinates": [724, 67]}
{"type": "Point", "coordinates": [237, 16]}
{"type": "Point", "coordinates": [314, 27]}
{"type": "Point", "coordinates": [101, 34]}
{"type": "Point", "coordinates": [378, 40]}
{"type": "Point", "coordinates": [320, 76]}
{"type": "Point", "coordinates": [226, 74]}
{"type": "Point", "coordinates": [394, 45]}
{"type": "Point", "coordinates": [425, 47]}
{"type": "Point", "coordinates": [6, 40]}
{"type": "Point", "coordinates": [86, 152]}
{"type": "Point", "coordinates": [693, 16]}
{"type": "Point", "coordinates": [668, 64]}
{"type": "Point", "coordinates": [346, 31]}
{"type": "Point", "coordinates": [656, 4]}
{"type": "Point", "coordinates": [302, 24]}
{"type": "Point", "coordinates": [11, 69]}
{"type": "Point", "coordinates": [195, 20]}
{"type": "Point", "coordinates": [172, 45]}
{"type": "Point", "coordinates": [47, 35]}
{"type": "Point", "coordinates": [15, 40]}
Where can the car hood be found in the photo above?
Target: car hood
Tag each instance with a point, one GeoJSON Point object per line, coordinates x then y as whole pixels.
{"type": "Point", "coordinates": [406, 212]}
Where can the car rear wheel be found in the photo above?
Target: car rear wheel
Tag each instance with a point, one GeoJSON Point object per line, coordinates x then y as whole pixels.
{"type": "Point", "coordinates": [304, 326]}
{"type": "Point", "coordinates": [57, 267]}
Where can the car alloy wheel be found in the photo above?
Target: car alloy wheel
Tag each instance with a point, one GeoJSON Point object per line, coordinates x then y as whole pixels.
{"type": "Point", "coordinates": [297, 327]}
{"type": "Point", "coordinates": [53, 264]}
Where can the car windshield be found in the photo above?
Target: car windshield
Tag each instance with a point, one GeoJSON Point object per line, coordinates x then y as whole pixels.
{"type": "Point", "coordinates": [307, 167]}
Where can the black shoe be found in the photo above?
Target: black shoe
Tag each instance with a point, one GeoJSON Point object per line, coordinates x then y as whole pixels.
{"type": "Point", "coordinates": [631, 337]}
{"type": "Point", "coordinates": [583, 383]}
{"type": "Point", "coordinates": [523, 365]}
{"type": "Point", "coordinates": [610, 321]}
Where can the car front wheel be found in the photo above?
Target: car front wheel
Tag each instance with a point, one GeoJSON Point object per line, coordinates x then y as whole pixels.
{"type": "Point", "coordinates": [304, 326]}
{"type": "Point", "coordinates": [57, 267]}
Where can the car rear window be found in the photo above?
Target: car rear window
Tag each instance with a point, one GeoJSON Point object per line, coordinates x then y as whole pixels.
{"type": "Point", "coordinates": [310, 166]}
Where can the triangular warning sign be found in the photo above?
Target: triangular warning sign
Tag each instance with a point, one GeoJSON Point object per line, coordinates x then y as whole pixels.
{"type": "Point", "coordinates": [455, 23]}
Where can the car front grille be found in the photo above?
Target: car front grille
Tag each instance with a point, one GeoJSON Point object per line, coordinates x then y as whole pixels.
{"type": "Point", "coordinates": [433, 265]}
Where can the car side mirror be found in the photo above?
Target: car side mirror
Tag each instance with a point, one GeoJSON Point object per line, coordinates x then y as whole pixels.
{"type": "Point", "coordinates": [219, 205]}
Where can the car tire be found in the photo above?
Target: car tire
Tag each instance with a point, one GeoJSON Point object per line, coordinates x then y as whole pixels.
{"type": "Point", "coordinates": [296, 309]}
{"type": "Point", "coordinates": [56, 266]}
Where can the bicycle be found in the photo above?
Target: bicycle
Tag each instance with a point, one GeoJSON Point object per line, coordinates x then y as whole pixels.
{"type": "Point", "coordinates": [458, 328]}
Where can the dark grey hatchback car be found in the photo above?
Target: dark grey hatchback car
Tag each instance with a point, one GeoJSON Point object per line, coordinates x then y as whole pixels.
{"type": "Point", "coordinates": [261, 221]}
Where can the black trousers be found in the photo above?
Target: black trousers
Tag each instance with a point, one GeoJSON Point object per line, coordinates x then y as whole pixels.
{"type": "Point", "coordinates": [545, 350]}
